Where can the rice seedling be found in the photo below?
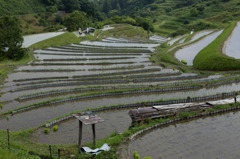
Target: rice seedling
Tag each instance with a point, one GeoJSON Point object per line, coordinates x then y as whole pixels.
{"type": "Point", "coordinates": [55, 128]}
{"type": "Point", "coordinates": [46, 130]}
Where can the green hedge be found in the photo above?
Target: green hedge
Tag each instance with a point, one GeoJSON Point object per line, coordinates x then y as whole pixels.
{"type": "Point", "coordinates": [211, 57]}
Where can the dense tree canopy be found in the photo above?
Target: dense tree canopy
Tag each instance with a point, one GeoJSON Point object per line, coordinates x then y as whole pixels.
{"type": "Point", "coordinates": [76, 20]}
{"type": "Point", "coordinates": [11, 38]}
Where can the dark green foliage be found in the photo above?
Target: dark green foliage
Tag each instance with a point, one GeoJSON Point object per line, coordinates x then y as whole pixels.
{"type": "Point", "coordinates": [76, 20]}
{"type": "Point", "coordinates": [11, 38]}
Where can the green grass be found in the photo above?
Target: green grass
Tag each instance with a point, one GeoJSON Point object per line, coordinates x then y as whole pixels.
{"type": "Point", "coordinates": [212, 58]}
{"type": "Point", "coordinates": [63, 39]}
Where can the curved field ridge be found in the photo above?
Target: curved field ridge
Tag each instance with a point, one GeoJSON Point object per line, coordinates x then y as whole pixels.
{"type": "Point", "coordinates": [211, 57]}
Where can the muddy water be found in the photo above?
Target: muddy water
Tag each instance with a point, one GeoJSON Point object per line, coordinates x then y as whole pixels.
{"type": "Point", "coordinates": [188, 53]}
{"type": "Point", "coordinates": [210, 137]}
{"type": "Point", "coordinates": [43, 114]}
{"type": "Point", "coordinates": [232, 46]}
{"type": "Point", "coordinates": [200, 34]}
{"type": "Point", "coordinates": [68, 131]}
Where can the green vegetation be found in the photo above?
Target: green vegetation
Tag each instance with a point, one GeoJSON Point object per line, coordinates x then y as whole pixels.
{"type": "Point", "coordinates": [46, 130]}
{"type": "Point", "coordinates": [211, 57]}
{"type": "Point", "coordinates": [184, 62]}
{"type": "Point", "coordinates": [63, 39]}
{"type": "Point", "coordinates": [55, 128]}
{"type": "Point", "coordinates": [11, 38]}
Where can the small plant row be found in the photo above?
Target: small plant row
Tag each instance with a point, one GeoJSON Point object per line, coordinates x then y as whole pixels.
{"type": "Point", "coordinates": [120, 73]}
{"type": "Point", "coordinates": [122, 92]}
{"type": "Point", "coordinates": [97, 95]}
{"type": "Point", "coordinates": [106, 78]}
{"type": "Point", "coordinates": [53, 70]}
{"type": "Point", "coordinates": [85, 45]}
{"type": "Point", "coordinates": [92, 75]}
{"type": "Point", "coordinates": [200, 82]}
{"type": "Point", "coordinates": [85, 59]}
{"type": "Point", "coordinates": [72, 84]}
{"type": "Point", "coordinates": [222, 83]}
{"type": "Point", "coordinates": [101, 47]}
{"type": "Point", "coordinates": [69, 54]}
{"type": "Point", "coordinates": [100, 50]}
{"type": "Point", "coordinates": [97, 63]}
{"type": "Point", "coordinates": [117, 68]}
{"type": "Point", "coordinates": [141, 132]}
{"type": "Point", "coordinates": [169, 78]}
{"type": "Point", "coordinates": [81, 90]}
{"type": "Point", "coordinates": [149, 104]}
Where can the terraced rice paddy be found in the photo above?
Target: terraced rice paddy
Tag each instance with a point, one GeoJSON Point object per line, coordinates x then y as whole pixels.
{"type": "Point", "coordinates": [90, 75]}
{"type": "Point", "coordinates": [210, 137]}
{"type": "Point", "coordinates": [189, 52]}
{"type": "Point", "coordinates": [232, 45]}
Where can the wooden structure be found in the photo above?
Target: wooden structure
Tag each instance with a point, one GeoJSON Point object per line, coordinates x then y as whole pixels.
{"type": "Point", "coordinates": [87, 118]}
{"type": "Point", "coordinates": [163, 111]}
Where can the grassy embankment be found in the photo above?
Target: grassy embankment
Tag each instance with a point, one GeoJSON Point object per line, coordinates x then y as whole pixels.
{"type": "Point", "coordinates": [124, 31]}
{"type": "Point", "coordinates": [212, 58]}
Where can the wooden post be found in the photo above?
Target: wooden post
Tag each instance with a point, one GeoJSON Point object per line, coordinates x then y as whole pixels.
{"type": "Point", "coordinates": [59, 151]}
{"type": "Point", "coordinates": [188, 99]}
{"type": "Point", "coordinates": [94, 134]}
{"type": "Point", "coordinates": [50, 150]}
{"type": "Point", "coordinates": [235, 99]}
{"type": "Point", "coordinates": [80, 135]}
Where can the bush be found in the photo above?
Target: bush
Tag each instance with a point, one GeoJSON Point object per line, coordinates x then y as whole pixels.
{"type": "Point", "coordinates": [55, 128]}
{"type": "Point", "coordinates": [184, 62]}
{"type": "Point", "coordinates": [46, 131]}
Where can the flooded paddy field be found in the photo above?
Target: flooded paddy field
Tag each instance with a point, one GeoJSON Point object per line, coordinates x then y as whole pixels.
{"type": "Point", "coordinates": [209, 137]}
{"type": "Point", "coordinates": [68, 131]}
{"type": "Point", "coordinates": [232, 44]}
{"type": "Point", "coordinates": [90, 75]}
{"type": "Point", "coordinates": [188, 53]}
{"type": "Point", "coordinates": [50, 111]}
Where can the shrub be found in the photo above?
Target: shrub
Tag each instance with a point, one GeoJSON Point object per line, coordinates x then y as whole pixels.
{"type": "Point", "coordinates": [1, 106]}
{"type": "Point", "coordinates": [46, 131]}
{"type": "Point", "coordinates": [184, 62]}
{"type": "Point", "coordinates": [55, 128]}
{"type": "Point", "coordinates": [7, 117]}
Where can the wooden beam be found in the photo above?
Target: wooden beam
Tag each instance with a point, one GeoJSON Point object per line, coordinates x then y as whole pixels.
{"type": "Point", "coordinates": [80, 135]}
{"type": "Point", "coordinates": [94, 134]}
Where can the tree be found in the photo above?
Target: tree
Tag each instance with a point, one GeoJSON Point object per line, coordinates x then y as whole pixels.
{"type": "Point", "coordinates": [71, 5]}
{"type": "Point", "coordinates": [11, 38]}
{"type": "Point", "coordinates": [76, 20]}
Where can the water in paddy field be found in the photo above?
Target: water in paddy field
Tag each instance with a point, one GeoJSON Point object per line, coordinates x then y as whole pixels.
{"type": "Point", "coordinates": [114, 121]}
{"type": "Point", "coordinates": [232, 45]}
{"type": "Point", "coordinates": [171, 42]}
{"type": "Point", "coordinates": [200, 34]}
{"type": "Point", "coordinates": [45, 113]}
{"type": "Point", "coordinates": [211, 137]}
{"type": "Point", "coordinates": [188, 53]}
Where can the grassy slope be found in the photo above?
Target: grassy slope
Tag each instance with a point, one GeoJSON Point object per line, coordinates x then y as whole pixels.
{"type": "Point", "coordinates": [211, 57]}
{"type": "Point", "coordinates": [124, 31]}
{"type": "Point", "coordinates": [15, 7]}
{"type": "Point", "coordinates": [168, 22]}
